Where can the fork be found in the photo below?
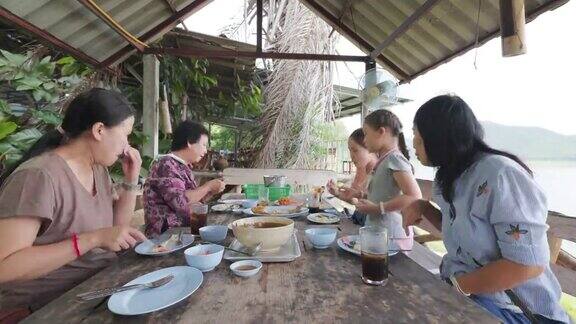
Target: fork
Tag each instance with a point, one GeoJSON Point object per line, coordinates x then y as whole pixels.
{"type": "Point", "coordinates": [179, 240]}
{"type": "Point", "coordinates": [112, 290]}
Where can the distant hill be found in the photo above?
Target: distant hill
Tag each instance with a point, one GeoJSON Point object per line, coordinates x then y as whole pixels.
{"type": "Point", "coordinates": [531, 143]}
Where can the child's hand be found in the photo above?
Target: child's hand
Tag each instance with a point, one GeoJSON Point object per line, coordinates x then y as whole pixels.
{"type": "Point", "coordinates": [332, 188]}
{"type": "Point", "coordinates": [366, 206]}
{"type": "Point", "coordinates": [412, 214]}
{"type": "Point", "coordinates": [347, 194]}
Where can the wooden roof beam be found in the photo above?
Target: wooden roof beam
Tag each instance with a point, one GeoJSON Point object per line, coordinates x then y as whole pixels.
{"type": "Point", "coordinates": [192, 52]}
{"type": "Point", "coordinates": [403, 28]}
{"type": "Point", "coordinates": [347, 31]}
{"type": "Point", "coordinates": [161, 28]}
{"type": "Point", "coordinates": [92, 6]}
{"type": "Point", "coordinates": [50, 39]}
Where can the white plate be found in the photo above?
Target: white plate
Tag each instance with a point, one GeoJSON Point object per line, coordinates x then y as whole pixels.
{"type": "Point", "coordinates": [286, 253]}
{"type": "Point", "coordinates": [141, 301]}
{"type": "Point", "coordinates": [145, 248]}
{"type": "Point", "coordinates": [232, 201]}
{"type": "Point", "coordinates": [233, 195]}
{"type": "Point", "coordinates": [344, 243]}
{"type": "Point", "coordinates": [280, 209]}
{"type": "Point", "coordinates": [323, 218]}
{"type": "Point", "coordinates": [222, 207]}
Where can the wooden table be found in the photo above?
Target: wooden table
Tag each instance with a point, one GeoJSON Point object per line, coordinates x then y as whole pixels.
{"type": "Point", "coordinates": [320, 286]}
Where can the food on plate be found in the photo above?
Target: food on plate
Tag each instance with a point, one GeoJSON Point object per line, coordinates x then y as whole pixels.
{"type": "Point", "coordinates": [159, 248]}
{"type": "Point", "coordinates": [259, 210]}
{"type": "Point", "coordinates": [325, 217]}
{"type": "Point", "coordinates": [263, 224]}
{"type": "Point", "coordinates": [263, 210]}
{"type": "Point", "coordinates": [287, 201]}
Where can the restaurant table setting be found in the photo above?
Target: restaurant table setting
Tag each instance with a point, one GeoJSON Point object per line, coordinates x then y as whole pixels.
{"type": "Point", "coordinates": [270, 257]}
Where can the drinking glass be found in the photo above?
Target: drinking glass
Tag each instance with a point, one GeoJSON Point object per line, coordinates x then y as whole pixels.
{"type": "Point", "coordinates": [263, 195]}
{"type": "Point", "coordinates": [374, 248]}
{"type": "Point", "coordinates": [198, 217]}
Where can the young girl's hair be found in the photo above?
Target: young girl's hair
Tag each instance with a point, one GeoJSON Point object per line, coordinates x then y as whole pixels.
{"type": "Point", "coordinates": [386, 118]}
{"type": "Point", "coordinates": [358, 137]}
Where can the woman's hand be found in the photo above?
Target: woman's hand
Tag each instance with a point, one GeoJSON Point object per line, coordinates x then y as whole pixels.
{"type": "Point", "coordinates": [216, 186]}
{"type": "Point", "coordinates": [131, 164]}
{"type": "Point", "coordinates": [412, 214]}
{"type": "Point", "coordinates": [117, 238]}
{"type": "Point", "coordinates": [366, 206]}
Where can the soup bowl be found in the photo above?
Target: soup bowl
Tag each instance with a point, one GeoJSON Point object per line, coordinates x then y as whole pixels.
{"type": "Point", "coordinates": [271, 231]}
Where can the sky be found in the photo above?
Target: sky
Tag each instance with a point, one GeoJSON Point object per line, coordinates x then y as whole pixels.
{"type": "Point", "coordinates": [535, 89]}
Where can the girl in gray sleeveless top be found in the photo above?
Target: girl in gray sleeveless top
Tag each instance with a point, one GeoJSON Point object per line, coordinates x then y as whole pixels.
{"type": "Point", "coordinates": [392, 185]}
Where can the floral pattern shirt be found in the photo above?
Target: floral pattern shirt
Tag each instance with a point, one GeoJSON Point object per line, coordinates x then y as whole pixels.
{"type": "Point", "coordinates": [165, 201]}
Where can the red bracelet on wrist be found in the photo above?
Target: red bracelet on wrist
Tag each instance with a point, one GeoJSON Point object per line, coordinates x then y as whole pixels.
{"type": "Point", "coordinates": [75, 244]}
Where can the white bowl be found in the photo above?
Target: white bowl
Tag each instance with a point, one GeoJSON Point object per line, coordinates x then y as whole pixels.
{"type": "Point", "coordinates": [204, 257]}
{"type": "Point", "coordinates": [236, 268]}
{"type": "Point", "coordinates": [272, 238]}
{"type": "Point", "coordinates": [213, 233]}
{"type": "Point", "coordinates": [321, 238]}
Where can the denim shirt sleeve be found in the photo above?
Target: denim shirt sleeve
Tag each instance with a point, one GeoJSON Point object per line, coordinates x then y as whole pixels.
{"type": "Point", "coordinates": [516, 208]}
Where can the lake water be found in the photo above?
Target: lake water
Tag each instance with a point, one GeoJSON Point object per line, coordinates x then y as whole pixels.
{"type": "Point", "coordinates": [557, 179]}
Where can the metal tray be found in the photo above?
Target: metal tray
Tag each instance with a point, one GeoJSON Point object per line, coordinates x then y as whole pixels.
{"type": "Point", "coordinates": [288, 252]}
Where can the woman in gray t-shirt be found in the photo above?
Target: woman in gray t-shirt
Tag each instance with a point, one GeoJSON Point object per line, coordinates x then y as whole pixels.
{"type": "Point", "coordinates": [392, 185]}
{"type": "Point", "coordinates": [492, 216]}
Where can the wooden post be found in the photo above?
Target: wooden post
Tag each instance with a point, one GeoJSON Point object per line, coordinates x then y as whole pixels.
{"type": "Point", "coordinates": [259, 10]}
{"type": "Point", "coordinates": [512, 23]}
{"type": "Point", "coordinates": [151, 93]}
{"type": "Point", "coordinates": [555, 245]}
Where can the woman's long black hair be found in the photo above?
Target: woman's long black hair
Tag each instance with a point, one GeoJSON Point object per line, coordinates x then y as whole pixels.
{"type": "Point", "coordinates": [453, 138]}
{"type": "Point", "coordinates": [96, 105]}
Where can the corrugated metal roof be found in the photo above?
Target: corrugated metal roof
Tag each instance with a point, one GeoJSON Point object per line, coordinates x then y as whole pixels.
{"type": "Point", "coordinates": [75, 25]}
{"type": "Point", "coordinates": [448, 29]}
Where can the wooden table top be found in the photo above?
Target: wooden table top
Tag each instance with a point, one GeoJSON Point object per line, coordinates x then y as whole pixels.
{"type": "Point", "coordinates": [319, 286]}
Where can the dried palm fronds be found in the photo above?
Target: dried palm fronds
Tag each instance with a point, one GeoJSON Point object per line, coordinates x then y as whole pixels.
{"type": "Point", "coordinates": [297, 94]}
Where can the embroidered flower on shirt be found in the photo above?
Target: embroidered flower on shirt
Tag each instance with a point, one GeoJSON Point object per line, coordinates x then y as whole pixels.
{"type": "Point", "coordinates": [452, 213]}
{"type": "Point", "coordinates": [476, 261]}
{"type": "Point", "coordinates": [482, 189]}
{"type": "Point", "coordinates": [515, 231]}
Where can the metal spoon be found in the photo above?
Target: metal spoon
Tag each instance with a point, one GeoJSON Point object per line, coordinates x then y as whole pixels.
{"type": "Point", "coordinates": [250, 250]}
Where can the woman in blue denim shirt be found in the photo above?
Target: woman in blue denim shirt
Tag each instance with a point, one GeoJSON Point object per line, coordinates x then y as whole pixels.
{"type": "Point", "coordinates": [492, 216]}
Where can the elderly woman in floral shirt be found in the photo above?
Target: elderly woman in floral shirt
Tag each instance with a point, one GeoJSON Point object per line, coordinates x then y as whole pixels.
{"type": "Point", "coordinates": [170, 188]}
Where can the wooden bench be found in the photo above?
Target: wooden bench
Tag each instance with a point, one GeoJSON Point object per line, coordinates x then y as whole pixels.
{"type": "Point", "coordinates": [425, 258]}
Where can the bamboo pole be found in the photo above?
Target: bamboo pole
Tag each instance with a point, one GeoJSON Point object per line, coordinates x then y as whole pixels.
{"type": "Point", "coordinates": [184, 107]}
{"type": "Point", "coordinates": [512, 23]}
{"type": "Point", "coordinates": [165, 122]}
